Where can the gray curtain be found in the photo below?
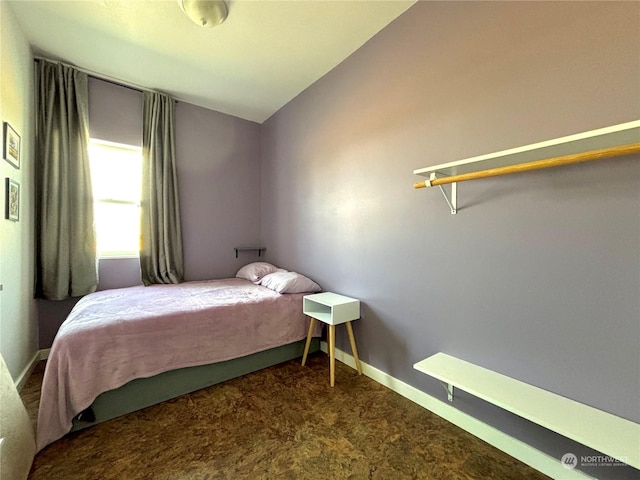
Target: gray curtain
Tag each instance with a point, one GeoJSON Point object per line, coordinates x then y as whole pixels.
{"type": "Point", "coordinates": [160, 236]}
{"type": "Point", "coordinates": [65, 230]}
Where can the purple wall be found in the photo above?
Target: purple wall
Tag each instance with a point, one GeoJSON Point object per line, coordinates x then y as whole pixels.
{"type": "Point", "coordinates": [218, 159]}
{"type": "Point", "coordinates": [537, 276]}
{"type": "Point", "coordinates": [115, 113]}
{"type": "Point", "coordinates": [219, 174]}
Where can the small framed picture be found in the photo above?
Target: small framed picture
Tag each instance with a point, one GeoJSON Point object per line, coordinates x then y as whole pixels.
{"type": "Point", "coordinates": [11, 150]}
{"type": "Point", "coordinates": [12, 200]}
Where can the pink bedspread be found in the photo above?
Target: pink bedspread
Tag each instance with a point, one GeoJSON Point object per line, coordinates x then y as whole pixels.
{"type": "Point", "coordinates": [115, 336]}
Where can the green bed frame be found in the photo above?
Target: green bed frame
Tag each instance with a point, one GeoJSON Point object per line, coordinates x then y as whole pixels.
{"type": "Point", "coordinates": [144, 392]}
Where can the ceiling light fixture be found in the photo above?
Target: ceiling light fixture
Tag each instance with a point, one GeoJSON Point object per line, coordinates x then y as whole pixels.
{"type": "Point", "coordinates": [206, 13]}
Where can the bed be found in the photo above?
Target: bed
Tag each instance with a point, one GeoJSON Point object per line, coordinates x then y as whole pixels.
{"type": "Point", "coordinates": [124, 349]}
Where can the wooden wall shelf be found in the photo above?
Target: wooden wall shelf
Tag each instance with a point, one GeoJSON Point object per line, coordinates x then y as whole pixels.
{"type": "Point", "coordinates": [609, 142]}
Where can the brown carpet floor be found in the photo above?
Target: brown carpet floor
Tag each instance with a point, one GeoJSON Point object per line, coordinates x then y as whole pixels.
{"type": "Point", "coordinates": [284, 422]}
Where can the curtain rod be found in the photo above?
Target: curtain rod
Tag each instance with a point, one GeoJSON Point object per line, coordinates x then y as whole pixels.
{"type": "Point", "coordinates": [100, 76]}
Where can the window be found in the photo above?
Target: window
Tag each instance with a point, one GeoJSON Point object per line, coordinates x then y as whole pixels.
{"type": "Point", "coordinates": [116, 175]}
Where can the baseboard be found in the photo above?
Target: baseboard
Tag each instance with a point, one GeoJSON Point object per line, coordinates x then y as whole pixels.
{"type": "Point", "coordinates": [26, 372]}
{"type": "Point", "coordinates": [525, 453]}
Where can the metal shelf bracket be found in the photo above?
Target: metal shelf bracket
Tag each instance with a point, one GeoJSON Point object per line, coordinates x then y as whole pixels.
{"type": "Point", "coordinates": [449, 388]}
{"type": "Point", "coordinates": [452, 199]}
{"type": "Point", "coordinates": [244, 249]}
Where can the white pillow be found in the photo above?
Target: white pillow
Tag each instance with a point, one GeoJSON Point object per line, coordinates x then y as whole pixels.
{"type": "Point", "coordinates": [255, 271]}
{"type": "Point", "coordinates": [289, 282]}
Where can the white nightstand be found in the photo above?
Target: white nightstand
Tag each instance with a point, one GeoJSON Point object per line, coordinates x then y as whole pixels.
{"type": "Point", "coordinates": [332, 309]}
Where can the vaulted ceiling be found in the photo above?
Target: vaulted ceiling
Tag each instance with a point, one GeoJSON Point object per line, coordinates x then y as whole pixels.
{"type": "Point", "coordinates": [265, 54]}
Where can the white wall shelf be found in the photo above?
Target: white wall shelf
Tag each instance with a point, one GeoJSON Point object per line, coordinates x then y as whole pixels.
{"type": "Point", "coordinates": [614, 141]}
{"type": "Point", "coordinates": [612, 435]}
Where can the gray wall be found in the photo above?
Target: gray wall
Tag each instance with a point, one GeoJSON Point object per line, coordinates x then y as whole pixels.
{"type": "Point", "coordinates": [218, 161]}
{"type": "Point", "coordinates": [538, 275]}
{"type": "Point", "coordinates": [18, 316]}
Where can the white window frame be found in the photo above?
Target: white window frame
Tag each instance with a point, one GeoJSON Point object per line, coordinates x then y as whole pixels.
{"type": "Point", "coordinates": [96, 200]}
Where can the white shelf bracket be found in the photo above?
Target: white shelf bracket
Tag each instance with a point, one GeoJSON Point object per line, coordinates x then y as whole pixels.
{"type": "Point", "coordinates": [449, 389]}
{"type": "Point", "coordinates": [452, 200]}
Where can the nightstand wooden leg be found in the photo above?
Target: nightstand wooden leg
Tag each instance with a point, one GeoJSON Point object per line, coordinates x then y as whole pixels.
{"type": "Point", "coordinates": [332, 354]}
{"type": "Point", "coordinates": [306, 346]}
{"type": "Point", "coordinates": [354, 350]}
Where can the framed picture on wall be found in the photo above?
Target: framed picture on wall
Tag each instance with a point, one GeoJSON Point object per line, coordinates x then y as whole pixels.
{"type": "Point", "coordinates": [11, 144]}
{"type": "Point", "coordinates": [12, 200]}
